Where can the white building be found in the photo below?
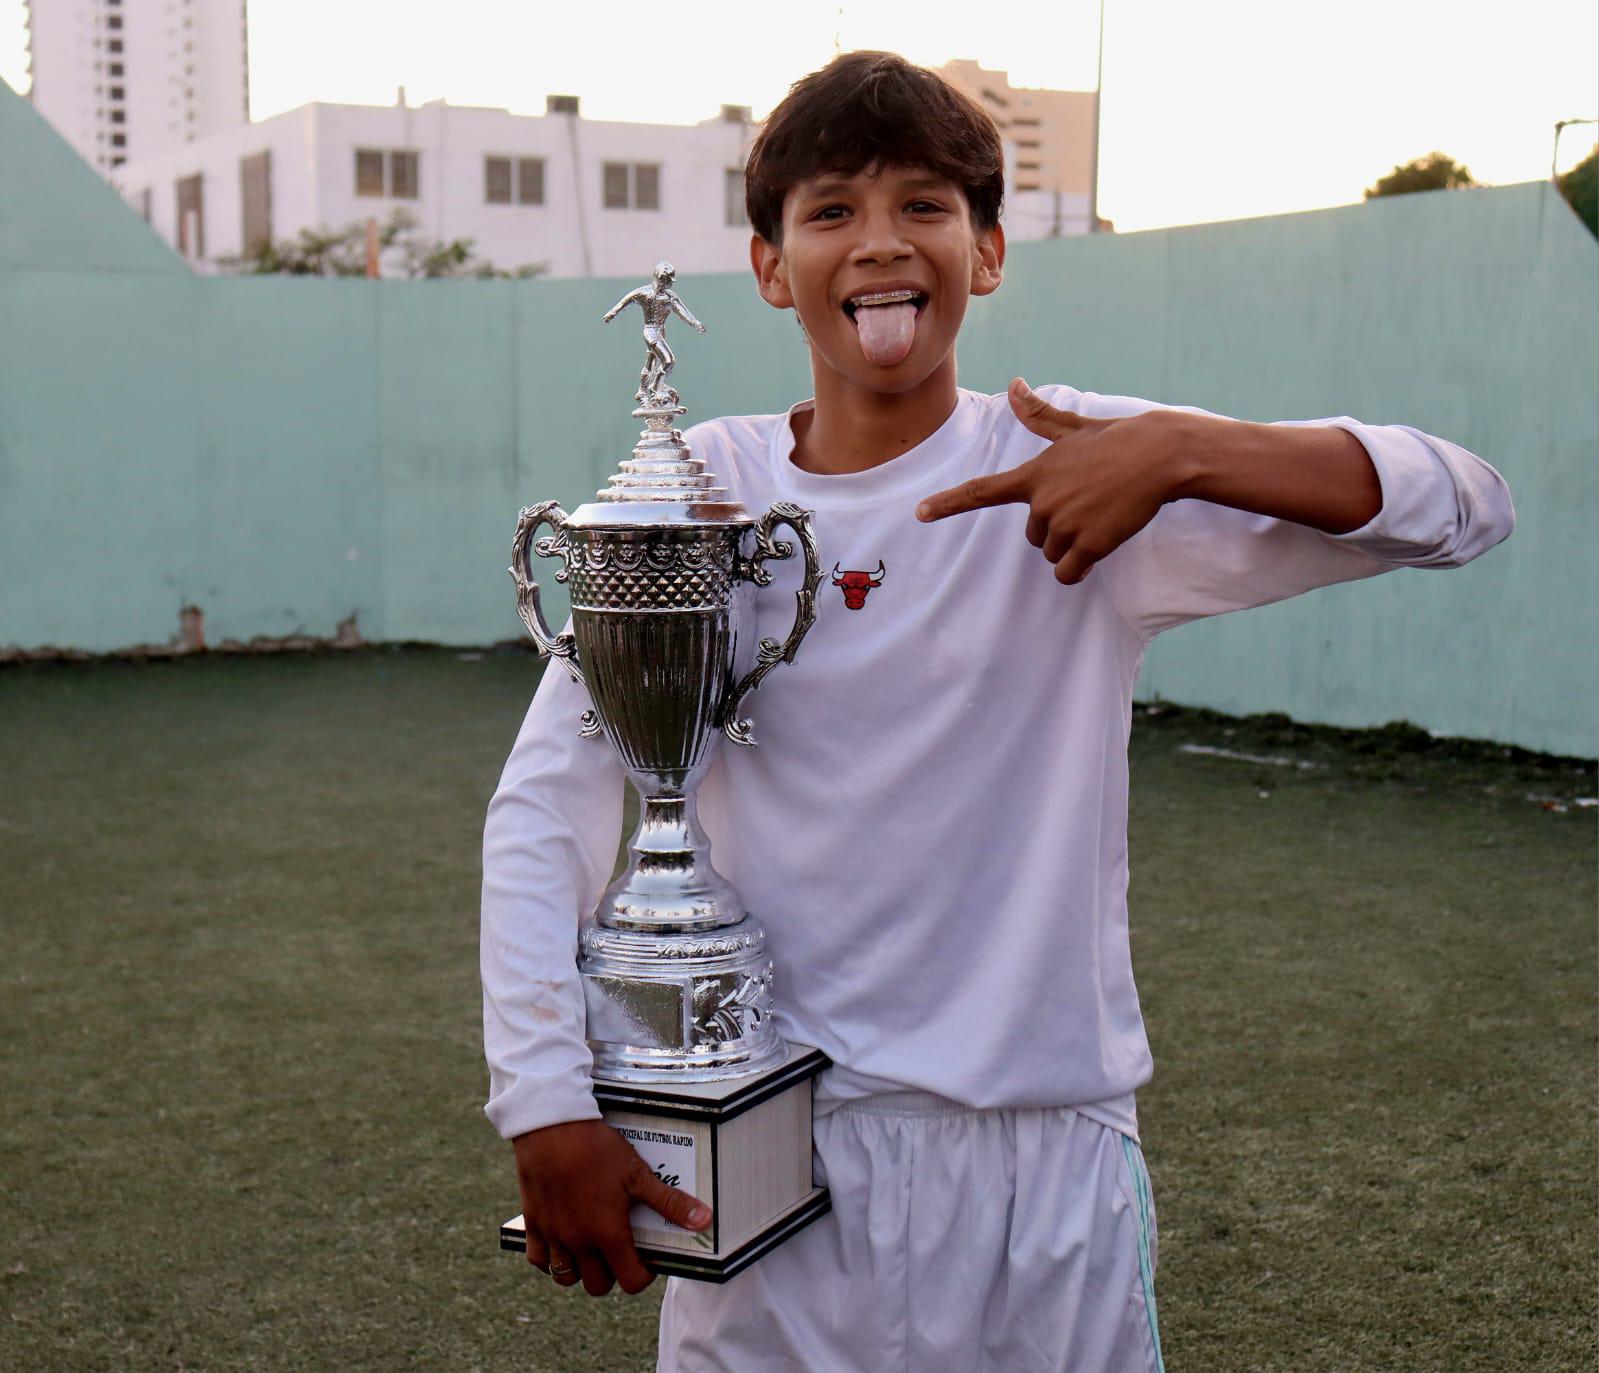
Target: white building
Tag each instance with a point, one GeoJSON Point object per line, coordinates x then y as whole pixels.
{"type": "Point", "coordinates": [585, 197]}
{"type": "Point", "coordinates": [125, 79]}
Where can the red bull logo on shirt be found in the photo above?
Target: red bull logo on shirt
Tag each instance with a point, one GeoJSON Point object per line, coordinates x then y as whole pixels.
{"type": "Point", "coordinates": [856, 585]}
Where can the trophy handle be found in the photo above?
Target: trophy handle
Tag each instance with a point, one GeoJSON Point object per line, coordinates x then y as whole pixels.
{"type": "Point", "coordinates": [562, 647]}
{"type": "Point", "coordinates": [753, 569]}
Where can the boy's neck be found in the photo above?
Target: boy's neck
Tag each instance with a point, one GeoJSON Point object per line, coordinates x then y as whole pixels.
{"type": "Point", "coordinates": [851, 429]}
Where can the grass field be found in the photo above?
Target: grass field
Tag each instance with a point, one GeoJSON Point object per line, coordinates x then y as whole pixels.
{"type": "Point", "coordinates": [242, 1085]}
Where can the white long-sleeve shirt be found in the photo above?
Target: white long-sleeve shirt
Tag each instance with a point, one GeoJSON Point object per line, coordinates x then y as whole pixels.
{"type": "Point", "coordinates": [933, 829]}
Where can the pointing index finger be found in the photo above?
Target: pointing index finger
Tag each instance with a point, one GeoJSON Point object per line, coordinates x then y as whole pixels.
{"type": "Point", "coordinates": [998, 488]}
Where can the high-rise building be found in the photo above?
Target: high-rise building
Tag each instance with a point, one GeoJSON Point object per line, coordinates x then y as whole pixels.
{"type": "Point", "coordinates": [135, 78]}
{"type": "Point", "coordinates": [1049, 145]}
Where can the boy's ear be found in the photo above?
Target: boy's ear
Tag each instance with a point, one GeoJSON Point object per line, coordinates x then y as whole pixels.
{"type": "Point", "coordinates": [771, 278]}
{"type": "Point", "coordinates": [989, 264]}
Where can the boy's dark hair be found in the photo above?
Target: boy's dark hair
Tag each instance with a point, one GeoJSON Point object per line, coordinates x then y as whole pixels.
{"type": "Point", "coordinates": [873, 109]}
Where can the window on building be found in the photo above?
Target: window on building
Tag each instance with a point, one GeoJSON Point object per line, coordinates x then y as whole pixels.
{"type": "Point", "coordinates": [733, 198]}
{"type": "Point", "coordinates": [368, 171]}
{"type": "Point", "coordinates": [404, 169]}
{"type": "Point", "coordinates": [497, 180]}
{"type": "Point", "coordinates": [530, 181]}
{"type": "Point", "coordinates": [615, 184]}
{"type": "Point", "coordinates": [646, 186]}
{"type": "Point", "coordinates": [119, 116]}
{"type": "Point", "coordinates": [119, 140]}
{"type": "Point", "coordinates": [113, 21]}
{"type": "Point", "coordinates": [119, 92]}
{"type": "Point", "coordinates": [113, 45]}
{"type": "Point", "coordinates": [118, 161]}
{"type": "Point", "coordinates": [255, 199]}
{"type": "Point", "coordinates": [518, 181]}
{"type": "Point", "coordinates": [631, 186]}
{"type": "Point", "coordinates": [115, 69]}
{"type": "Point", "coordinates": [191, 217]}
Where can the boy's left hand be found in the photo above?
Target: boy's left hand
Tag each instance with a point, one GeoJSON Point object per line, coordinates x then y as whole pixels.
{"type": "Point", "coordinates": [1091, 490]}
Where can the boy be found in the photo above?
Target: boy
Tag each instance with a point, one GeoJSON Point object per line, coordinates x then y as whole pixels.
{"type": "Point", "coordinates": [933, 832]}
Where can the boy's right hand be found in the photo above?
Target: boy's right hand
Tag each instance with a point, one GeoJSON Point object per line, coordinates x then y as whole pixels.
{"type": "Point", "coordinates": [579, 1181]}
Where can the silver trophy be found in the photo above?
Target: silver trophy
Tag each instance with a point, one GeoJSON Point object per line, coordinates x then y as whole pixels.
{"type": "Point", "coordinates": [662, 568]}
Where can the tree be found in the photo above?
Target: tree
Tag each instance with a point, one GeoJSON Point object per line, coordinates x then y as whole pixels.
{"type": "Point", "coordinates": [342, 253]}
{"type": "Point", "coordinates": [1580, 186]}
{"type": "Point", "coordinates": [1435, 172]}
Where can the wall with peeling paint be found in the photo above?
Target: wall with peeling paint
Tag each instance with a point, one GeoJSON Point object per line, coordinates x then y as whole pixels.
{"type": "Point", "coordinates": [286, 454]}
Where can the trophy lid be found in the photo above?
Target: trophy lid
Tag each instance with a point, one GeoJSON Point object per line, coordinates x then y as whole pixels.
{"type": "Point", "coordinates": [663, 484]}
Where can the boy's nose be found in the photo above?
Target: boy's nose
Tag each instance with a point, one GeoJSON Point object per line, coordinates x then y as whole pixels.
{"type": "Point", "coordinates": [881, 241]}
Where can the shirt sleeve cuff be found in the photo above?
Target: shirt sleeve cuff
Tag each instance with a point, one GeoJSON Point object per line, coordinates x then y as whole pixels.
{"type": "Point", "coordinates": [531, 1103]}
{"type": "Point", "coordinates": [1418, 522]}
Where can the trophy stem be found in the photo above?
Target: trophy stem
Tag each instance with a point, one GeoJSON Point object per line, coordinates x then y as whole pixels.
{"type": "Point", "coordinates": [670, 885]}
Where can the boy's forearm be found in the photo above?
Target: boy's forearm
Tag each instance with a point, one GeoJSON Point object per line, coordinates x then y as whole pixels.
{"type": "Point", "coordinates": [1316, 475]}
{"type": "Point", "coordinates": [548, 843]}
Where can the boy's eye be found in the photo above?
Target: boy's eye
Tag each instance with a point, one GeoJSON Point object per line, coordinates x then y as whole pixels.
{"type": "Point", "coordinates": [829, 212]}
{"type": "Point", "coordinates": [922, 207]}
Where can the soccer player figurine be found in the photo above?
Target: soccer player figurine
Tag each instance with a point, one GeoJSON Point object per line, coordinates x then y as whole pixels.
{"type": "Point", "coordinates": [659, 303]}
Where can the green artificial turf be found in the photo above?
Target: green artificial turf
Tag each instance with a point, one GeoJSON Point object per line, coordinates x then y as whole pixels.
{"type": "Point", "coordinates": [242, 1076]}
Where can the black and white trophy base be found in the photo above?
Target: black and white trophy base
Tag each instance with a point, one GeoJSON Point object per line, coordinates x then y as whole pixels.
{"type": "Point", "coordinates": [743, 1146]}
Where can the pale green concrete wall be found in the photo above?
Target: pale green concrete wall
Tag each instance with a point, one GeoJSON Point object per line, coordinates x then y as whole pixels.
{"type": "Point", "coordinates": [286, 453]}
{"type": "Point", "coordinates": [78, 222]}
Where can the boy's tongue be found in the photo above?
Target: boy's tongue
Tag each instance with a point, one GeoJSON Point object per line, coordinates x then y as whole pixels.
{"type": "Point", "coordinates": [887, 331]}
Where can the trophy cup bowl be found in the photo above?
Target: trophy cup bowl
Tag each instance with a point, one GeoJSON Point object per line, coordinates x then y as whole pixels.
{"type": "Point", "coordinates": [662, 568]}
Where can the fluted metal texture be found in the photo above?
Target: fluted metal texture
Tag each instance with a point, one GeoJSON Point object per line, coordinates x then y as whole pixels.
{"type": "Point", "coordinates": [663, 717]}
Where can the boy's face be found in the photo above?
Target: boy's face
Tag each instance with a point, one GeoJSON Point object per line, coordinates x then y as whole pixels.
{"type": "Point", "coordinates": [892, 232]}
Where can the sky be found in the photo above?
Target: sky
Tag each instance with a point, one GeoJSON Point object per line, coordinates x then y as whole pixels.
{"type": "Point", "coordinates": [1211, 109]}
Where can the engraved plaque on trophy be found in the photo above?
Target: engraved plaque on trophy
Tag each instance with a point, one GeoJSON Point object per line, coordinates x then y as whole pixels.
{"type": "Point", "coordinates": [662, 568]}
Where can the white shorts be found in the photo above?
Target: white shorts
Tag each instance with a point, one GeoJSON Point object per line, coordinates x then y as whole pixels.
{"type": "Point", "coordinates": [960, 1241]}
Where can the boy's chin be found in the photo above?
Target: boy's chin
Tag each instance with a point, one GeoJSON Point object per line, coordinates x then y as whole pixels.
{"type": "Point", "coordinates": [857, 372]}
